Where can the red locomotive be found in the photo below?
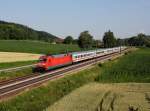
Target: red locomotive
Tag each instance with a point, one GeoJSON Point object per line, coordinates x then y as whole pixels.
{"type": "Point", "coordinates": [48, 62]}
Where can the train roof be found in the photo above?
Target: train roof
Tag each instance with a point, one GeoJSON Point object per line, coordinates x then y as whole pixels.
{"type": "Point", "coordinates": [87, 51]}
{"type": "Point", "coordinates": [79, 52]}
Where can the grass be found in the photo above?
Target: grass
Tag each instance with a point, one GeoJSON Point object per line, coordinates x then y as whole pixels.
{"type": "Point", "coordinates": [18, 73]}
{"type": "Point", "coordinates": [16, 64]}
{"type": "Point", "coordinates": [40, 98]}
{"type": "Point", "coordinates": [105, 97]}
{"type": "Point", "coordinates": [134, 67]}
{"type": "Point", "coordinates": [14, 74]}
{"type": "Point", "coordinates": [35, 47]}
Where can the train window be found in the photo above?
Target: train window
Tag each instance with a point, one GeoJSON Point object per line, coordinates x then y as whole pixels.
{"type": "Point", "coordinates": [83, 55]}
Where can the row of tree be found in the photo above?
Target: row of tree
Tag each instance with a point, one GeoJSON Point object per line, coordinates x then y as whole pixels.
{"type": "Point", "coordinates": [13, 31]}
{"type": "Point", "coordinates": [86, 41]}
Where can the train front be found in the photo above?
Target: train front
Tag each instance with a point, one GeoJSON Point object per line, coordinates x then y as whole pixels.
{"type": "Point", "coordinates": [41, 65]}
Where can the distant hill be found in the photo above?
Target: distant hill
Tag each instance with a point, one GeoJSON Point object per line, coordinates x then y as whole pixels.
{"type": "Point", "coordinates": [14, 31]}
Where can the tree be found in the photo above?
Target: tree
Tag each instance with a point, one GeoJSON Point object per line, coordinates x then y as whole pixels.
{"type": "Point", "coordinates": [97, 43]}
{"type": "Point", "coordinates": [109, 40]}
{"type": "Point", "coordinates": [120, 42]}
{"type": "Point", "coordinates": [85, 40]}
{"type": "Point", "coordinates": [139, 40]}
{"type": "Point", "coordinates": [75, 41]}
{"type": "Point", "coordinates": [68, 40]}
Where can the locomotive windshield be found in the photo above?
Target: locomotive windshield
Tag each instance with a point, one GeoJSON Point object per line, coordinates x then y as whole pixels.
{"type": "Point", "coordinates": [43, 60]}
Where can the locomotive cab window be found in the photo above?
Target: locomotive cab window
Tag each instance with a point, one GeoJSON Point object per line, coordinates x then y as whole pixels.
{"type": "Point", "coordinates": [43, 60]}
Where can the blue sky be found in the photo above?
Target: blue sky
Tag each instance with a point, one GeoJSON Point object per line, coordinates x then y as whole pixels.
{"type": "Point", "coordinates": [70, 17]}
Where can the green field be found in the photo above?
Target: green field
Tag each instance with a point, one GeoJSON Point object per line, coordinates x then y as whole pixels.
{"type": "Point", "coordinates": [16, 64]}
{"type": "Point", "coordinates": [14, 74]}
{"type": "Point", "coordinates": [134, 67]}
{"type": "Point", "coordinates": [18, 73]}
{"type": "Point", "coordinates": [35, 47]}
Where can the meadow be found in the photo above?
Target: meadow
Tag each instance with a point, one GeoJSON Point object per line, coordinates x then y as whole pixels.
{"type": "Point", "coordinates": [14, 74]}
{"type": "Point", "coordinates": [35, 47]}
{"type": "Point", "coordinates": [133, 67]}
{"type": "Point", "coordinates": [16, 64]}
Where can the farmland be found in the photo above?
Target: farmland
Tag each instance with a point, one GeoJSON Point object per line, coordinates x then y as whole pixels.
{"type": "Point", "coordinates": [112, 90]}
{"type": "Point", "coordinates": [12, 60]}
{"type": "Point", "coordinates": [15, 57]}
{"type": "Point", "coordinates": [47, 95]}
{"type": "Point", "coordinates": [35, 47]}
{"type": "Point", "coordinates": [130, 68]}
{"type": "Point", "coordinates": [106, 97]}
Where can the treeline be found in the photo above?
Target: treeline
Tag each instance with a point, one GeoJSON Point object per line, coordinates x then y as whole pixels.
{"type": "Point", "coordinates": [86, 40]}
{"type": "Point", "coordinates": [139, 40]}
{"type": "Point", "coordinates": [13, 31]}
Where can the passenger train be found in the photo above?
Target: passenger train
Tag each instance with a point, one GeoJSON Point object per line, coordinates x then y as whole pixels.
{"type": "Point", "coordinates": [48, 62]}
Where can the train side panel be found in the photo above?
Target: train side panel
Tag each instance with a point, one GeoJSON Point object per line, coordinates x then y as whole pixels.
{"type": "Point", "coordinates": [59, 61]}
{"type": "Point", "coordinates": [80, 56]}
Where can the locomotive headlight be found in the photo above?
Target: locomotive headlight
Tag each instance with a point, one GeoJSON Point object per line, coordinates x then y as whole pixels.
{"type": "Point", "coordinates": [43, 64]}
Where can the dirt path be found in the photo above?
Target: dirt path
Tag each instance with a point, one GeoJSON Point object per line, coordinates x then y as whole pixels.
{"type": "Point", "coordinates": [106, 97]}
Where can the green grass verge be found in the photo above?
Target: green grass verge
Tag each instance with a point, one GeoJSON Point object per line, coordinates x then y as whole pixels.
{"type": "Point", "coordinates": [134, 67]}
{"type": "Point", "coordinates": [18, 73]}
{"type": "Point", "coordinates": [35, 47]}
{"type": "Point", "coordinates": [14, 74]}
{"type": "Point", "coordinates": [16, 64]}
{"type": "Point", "coordinates": [40, 98]}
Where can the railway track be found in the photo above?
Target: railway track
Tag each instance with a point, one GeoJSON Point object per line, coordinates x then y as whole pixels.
{"type": "Point", "coordinates": [5, 82]}
{"type": "Point", "coordinates": [14, 86]}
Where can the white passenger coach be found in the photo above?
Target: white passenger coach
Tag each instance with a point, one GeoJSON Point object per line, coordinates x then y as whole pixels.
{"type": "Point", "coordinates": [84, 55]}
